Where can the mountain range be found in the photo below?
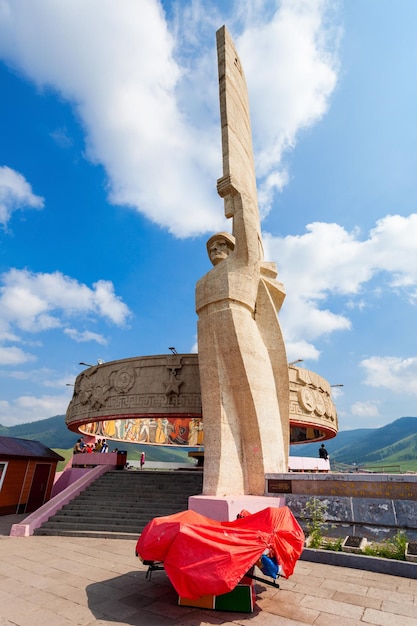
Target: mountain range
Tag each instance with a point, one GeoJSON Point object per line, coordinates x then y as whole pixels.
{"type": "Point", "coordinates": [395, 443]}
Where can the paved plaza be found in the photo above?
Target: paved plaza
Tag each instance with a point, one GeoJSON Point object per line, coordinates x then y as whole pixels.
{"type": "Point", "coordinates": [54, 581]}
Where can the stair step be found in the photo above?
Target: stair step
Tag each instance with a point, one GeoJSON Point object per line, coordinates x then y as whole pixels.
{"type": "Point", "coordinates": [119, 504]}
{"type": "Point", "coordinates": [97, 534]}
{"type": "Point", "coordinates": [70, 517]}
{"type": "Point", "coordinates": [131, 528]}
{"type": "Point", "coordinates": [109, 514]}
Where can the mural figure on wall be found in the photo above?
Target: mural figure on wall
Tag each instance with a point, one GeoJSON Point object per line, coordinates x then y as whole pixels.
{"type": "Point", "coordinates": [161, 434]}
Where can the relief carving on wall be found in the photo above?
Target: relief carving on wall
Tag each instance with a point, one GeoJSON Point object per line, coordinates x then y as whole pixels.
{"type": "Point", "coordinates": [122, 380]}
{"type": "Point", "coordinates": [172, 386]}
{"type": "Point", "coordinates": [310, 394]}
{"type": "Point", "coordinates": [137, 385]}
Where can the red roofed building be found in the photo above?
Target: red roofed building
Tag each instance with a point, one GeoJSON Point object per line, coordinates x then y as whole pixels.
{"type": "Point", "coordinates": [27, 472]}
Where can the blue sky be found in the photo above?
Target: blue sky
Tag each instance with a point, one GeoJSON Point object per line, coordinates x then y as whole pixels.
{"type": "Point", "coordinates": [109, 155]}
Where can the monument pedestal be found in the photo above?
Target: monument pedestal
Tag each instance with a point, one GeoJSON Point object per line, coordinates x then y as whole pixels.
{"type": "Point", "coordinates": [242, 599]}
{"type": "Point", "coordinates": [227, 508]}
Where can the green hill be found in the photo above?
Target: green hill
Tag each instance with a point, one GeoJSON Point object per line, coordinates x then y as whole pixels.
{"type": "Point", "coordinates": [381, 443]}
{"type": "Point", "coordinates": [344, 440]}
{"type": "Point", "coordinates": [52, 432]}
{"type": "Point", "coordinates": [395, 443]}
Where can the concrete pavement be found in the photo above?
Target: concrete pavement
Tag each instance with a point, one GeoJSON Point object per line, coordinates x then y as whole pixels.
{"type": "Point", "coordinates": [67, 581]}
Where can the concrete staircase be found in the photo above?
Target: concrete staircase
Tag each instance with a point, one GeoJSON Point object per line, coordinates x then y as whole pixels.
{"type": "Point", "coordinates": [119, 504]}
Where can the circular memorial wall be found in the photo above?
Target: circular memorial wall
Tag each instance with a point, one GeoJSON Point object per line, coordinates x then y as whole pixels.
{"type": "Point", "coordinates": [157, 400]}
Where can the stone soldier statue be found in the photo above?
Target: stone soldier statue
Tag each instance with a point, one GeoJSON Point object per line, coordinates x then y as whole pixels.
{"type": "Point", "coordinates": [242, 359]}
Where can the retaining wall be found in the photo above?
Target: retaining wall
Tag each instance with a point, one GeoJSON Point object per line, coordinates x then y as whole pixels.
{"type": "Point", "coordinates": [375, 506]}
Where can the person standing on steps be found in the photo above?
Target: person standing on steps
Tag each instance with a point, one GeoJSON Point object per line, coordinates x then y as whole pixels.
{"type": "Point", "coordinates": [79, 446]}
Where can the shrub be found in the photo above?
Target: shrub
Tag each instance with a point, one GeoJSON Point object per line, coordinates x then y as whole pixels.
{"type": "Point", "coordinates": [389, 548]}
{"type": "Point", "coordinates": [315, 521]}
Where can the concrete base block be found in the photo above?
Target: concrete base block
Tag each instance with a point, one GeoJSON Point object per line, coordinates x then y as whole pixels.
{"type": "Point", "coordinates": [354, 544]}
{"type": "Point", "coordinates": [411, 552]}
{"type": "Point", "coordinates": [227, 508]}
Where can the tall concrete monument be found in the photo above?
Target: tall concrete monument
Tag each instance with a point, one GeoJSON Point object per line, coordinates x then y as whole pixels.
{"type": "Point", "coordinates": [242, 358]}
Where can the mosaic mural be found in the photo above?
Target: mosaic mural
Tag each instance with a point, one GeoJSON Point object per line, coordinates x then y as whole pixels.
{"type": "Point", "coordinates": [165, 431]}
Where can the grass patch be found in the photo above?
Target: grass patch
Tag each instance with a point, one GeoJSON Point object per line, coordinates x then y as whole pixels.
{"type": "Point", "coordinates": [67, 454]}
{"type": "Point", "coordinates": [389, 548]}
{"type": "Point", "coordinates": [392, 467]}
{"type": "Point", "coordinates": [393, 548]}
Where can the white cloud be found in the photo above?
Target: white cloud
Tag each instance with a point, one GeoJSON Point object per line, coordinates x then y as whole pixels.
{"type": "Point", "coordinates": [36, 302]}
{"type": "Point", "coordinates": [393, 244]}
{"type": "Point", "coordinates": [337, 392]}
{"type": "Point", "coordinates": [15, 193]}
{"type": "Point", "coordinates": [290, 63]}
{"type": "Point", "coordinates": [328, 261]}
{"type": "Point", "coordinates": [107, 303]}
{"type": "Point", "coordinates": [82, 336]}
{"type": "Point", "coordinates": [32, 303]}
{"type": "Point", "coordinates": [59, 381]}
{"type": "Point", "coordinates": [364, 409]}
{"type": "Point", "coordinates": [43, 376]}
{"type": "Point", "coordinates": [30, 408]}
{"type": "Point", "coordinates": [62, 138]}
{"type": "Point", "coordinates": [11, 355]}
{"type": "Point", "coordinates": [296, 349]}
{"type": "Point", "coordinates": [129, 78]}
{"type": "Point", "coordinates": [394, 373]}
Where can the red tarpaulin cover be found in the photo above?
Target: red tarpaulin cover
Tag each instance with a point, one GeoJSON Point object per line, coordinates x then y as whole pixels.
{"type": "Point", "coordinates": [202, 556]}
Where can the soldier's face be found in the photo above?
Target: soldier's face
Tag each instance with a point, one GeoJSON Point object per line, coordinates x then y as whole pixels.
{"type": "Point", "coordinates": [218, 250]}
